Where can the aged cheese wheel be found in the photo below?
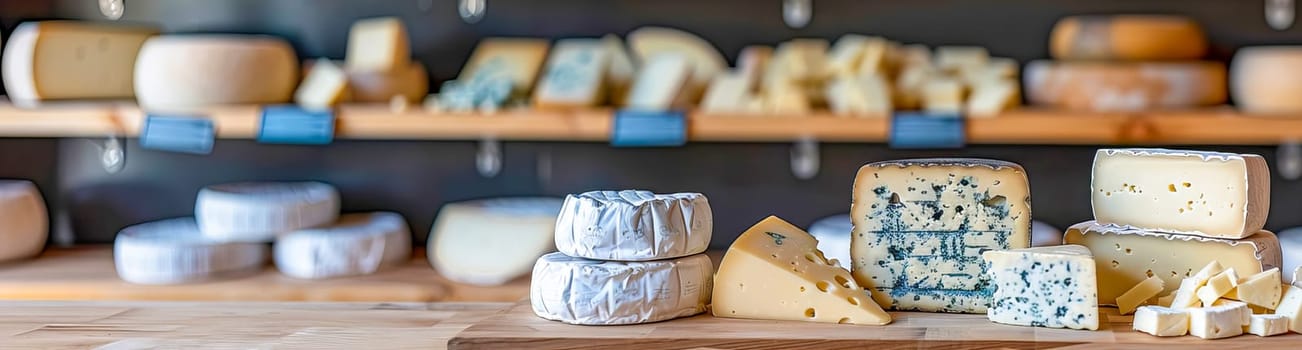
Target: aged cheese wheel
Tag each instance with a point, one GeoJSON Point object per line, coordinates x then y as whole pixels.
{"type": "Point", "coordinates": [186, 72]}
{"type": "Point", "coordinates": [1124, 86]}
{"type": "Point", "coordinates": [1127, 37]}
{"type": "Point", "coordinates": [1267, 79]}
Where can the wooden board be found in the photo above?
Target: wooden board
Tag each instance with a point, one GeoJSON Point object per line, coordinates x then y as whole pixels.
{"type": "Point", "coordinates": [87, 273]}
{"type": "Point", "coordinates": [136, 325]}
{"type": "Point", "coordinates": [519, 328]}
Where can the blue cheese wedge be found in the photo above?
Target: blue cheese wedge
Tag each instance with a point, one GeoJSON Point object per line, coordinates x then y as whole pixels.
{"type": "Point", "coordinates": [921, 225]}
{"type": "Point", "coordinates": [1044, 287]}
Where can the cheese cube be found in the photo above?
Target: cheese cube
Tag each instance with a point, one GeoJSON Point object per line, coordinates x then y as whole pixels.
{"type": "Point", "coordinates": [1126, 256]}
{"type": "Point", "coordinates": [661, 84]}
{"type": "Point", "coordinates": [1044, 287]}
{"type": "Point", "coordinates": [1211, 194]}
{"type": "Point", "coordinates": [1187, 294]}
{"type": "Point", "coordinates": [991, 98]}
{"type": "Point", "coordinates": [775, 271]}
{"type": "Point", "coordinates": [1291, 307]}
{"type": "Point", "coordinates": [846, 54]}
{"type": "Point", "coordinates": [942, 96]}
{"type": "Point", "coordinates": [1246, 313]}
{"type": "Point", "coordinates": [574, 75]}
{"type": "Point", "coordinates": [1146, 289]}
{"type": "Point", "coordinates": [920, 226]}
{"type": "Point", "coordinates": [1263, 289]}
{"type": "Point", "coordinates": [378, 44]}
{"type": "Point", "coordinates": [1161, 321]}
{"type": "Point", "coordinates": [909, 86]}
{"type": "Point", "coordinates": [868, 95]}
{"type": "Point", "coordinates": [325, 86]}
{"type": "Point", "coordinates": [1268, 325]}
{"type": "Point", "coordinates": [514, 59]}
{"type": "Point", "coordinates": [1217, 286]}
{"type": "Point", "coordinates": [1217, 321]}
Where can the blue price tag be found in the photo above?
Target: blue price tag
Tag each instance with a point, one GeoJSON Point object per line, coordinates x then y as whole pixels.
{"type": "Point", "coordinates": [177, 134]}
{"type": "Point", "coordinates": [637, 128]}
{"type": "Point", "coordinates": [291, 124]}
{"type": "Point", "coordinates": [927, 130]}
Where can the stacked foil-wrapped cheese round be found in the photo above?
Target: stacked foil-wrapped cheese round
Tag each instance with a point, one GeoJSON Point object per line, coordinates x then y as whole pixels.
{"type": "Point", "coordinates": [626, 257]}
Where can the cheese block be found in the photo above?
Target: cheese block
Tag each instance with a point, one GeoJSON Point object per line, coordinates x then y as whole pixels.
{"type": "Point", "coordinates": [1268, 325]}
{"type": "Point", "coordinates": [909, 84]}
{"type": "Point", "coordinates": [1261, 290]}
{"type": "Point", "coordinates": [491, 242]}
{"type": "Point", "coordinates": [633, 225]}
{"type": "Point", "coordinates": [1290, 306]}
{"type": "Point", "coordinates": [1140, 293]}
{"type": "Point", "coordinates": [1217, 286]}
{"type": "Point", "coordinates": [174, 251]}
{"type": "Point", "coordinates": [774, 271]}
{"type": "Point", "coordinates": [1124, 86]}
{"type": "Point", "coordinates": [258, 211]}
{"type": "Point", "coordinates": [663, 83]}
{"type": "Point", "coordinates": [1217, 322]}
{"type": "Point", "coordinates": [1266, 79]}
{"type": "Point", "coordinates": [515, 59]}
{"type": "Point", "coordinates": [1211, 194]}
{"type": "Point", "coordinates": [1186, 296]}
{"type": "Point", "coordinates": [1161, 321]}
{"type": "Point", "coordinates": [943, 95]}
{"type": "Point", "coordinates": [752, 62]}
{"type": "Point", "coordinates": [786, 99]}
{"type": "Point", "coordinates": [920, 226]}
{"type": "Point", "coordinates": [1127, 38]}
{"type": "Point", "coordinates": [802, 61]}
{"type": "Point", "coordinates": [875, 59]}
{"type": "Point", "coordinates": [961, 58]}
{"type": "Point", "coordinates": [620, 70]}
{"type": "Point", "coordinates": [728, 93]}
{"type": "Point", "coordinates": [1050, 287]}
{"type": "Point", "coordinates": [859, 95]}
{"type": "Point", "coordinates": [833, 235]}
{"type": "Point", "coordinates": [187, 72]}
{"type": "Point", "coordinates": [992, 97]}
{"type": "Point", "coordinates": [54, 60]}
{"type": "Point", "coordinates": [1126, 256]}
{"type": "Point", "coordinates": [996, 69]}
{"type": "Point", "coordinates": [846, 54]}
{"type": "Point", "coordinates": [357, 244]}
{"type": "Point", "coordinates": [324, 86]}
{"type": "Point", "coordinates": [378, 44]}
{"type": "Point", "coordinates": [574, 75]}
{"type": "Point", "coordinates": [1043, 234]}
{"type": "Point", "coordinates": [591, 292]}
{"type": "Point", "coordinates": [704, 59]}
{"type": "Point", "coordinates": [24, 222]}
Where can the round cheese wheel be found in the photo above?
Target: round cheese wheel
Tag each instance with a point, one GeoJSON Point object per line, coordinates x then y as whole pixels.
{"type": "Point", "coordinates": [49, 60]}
{"type": "Point", "coordinates": [24, 224]}
{"type": "Point", "coordinates": [189, 72]}
{"type": "Point", "coordinates": [358, 244]}
{"type": "Point", "coordinates": [492, 241]}
{"type": "Point", "coordinates": [581, 291]}
{"type": "Point", "coordinates": [633, 225]}
{"type": "Point", "coordinates": [173, 251]}
{"type": "Point", "coordinates": [258, 211]}
{"type": "Point", "coordinates": [411, 83]}
{"type": "Point", "coordinates": [833, 235]}
{"type": "Point", "coordinates": [1120, 86]}
{"type": "Point", "coordinates": [1128, 38]}
{"type": "Point", "coordinates": [1267, 79]}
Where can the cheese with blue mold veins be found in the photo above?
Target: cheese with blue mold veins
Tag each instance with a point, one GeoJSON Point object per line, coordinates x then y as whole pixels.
{"type": "Point", "coordinates": [921, 225]}
{"type": "Point", "coordinates": [574, 75]}
{"type": "Point", "coordinates": [1044, 287]}
{"type": "Point", "coordinates": [514, 60]}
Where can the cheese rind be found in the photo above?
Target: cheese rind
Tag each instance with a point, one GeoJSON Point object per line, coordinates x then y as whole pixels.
{"type": "Point", "coordinates": [1265, 79]}
{"type": "Point", "coordinates": [1044, 287]}
{"type": "Point", "coordinates": [1161, 321]}
{"type": "Point", "coordinates": [1127, 38]}
{"type": "Point", "coordinates": [1217, 322]}
{"type": "Point", "coordinates": [633, 225]}
{"type": "Point", "coordinates": [574, 75]}
{"type": "Point", "coordinates": [182, 73]}
{"type": "Point", "coordinates": [1138, 294]}
{"type": "Point", "coordinates": [774, 271]}
{"type": "Point", "coordinates": [1211, 194]}
{"type": "Point", "coordinates": [1125, 256]}
{"type": "Point", "coordinates": [590, 292]}
{"type": "Point", "coordinates": [492, 241]}
{"type": "Point", "coordinates": [1268, 325]}
{"type": "Point", "coordinates": [1126, 87]}
{"type": "Point", "coordinates": [378, 44]}
{"type": "Point", "coordinates": [1187, 295]}
{"type": "Point", "coordinates": [24, 222]}
{"type": "Point", "coordinates": [51, 60]}
{"type": "Point", "coordinates": [258, 211]}
{"type": "Point", "coordinates": [920, 226]}
{"type": "Point", "coordinates": [174, 251]}
{"type": "Point", "coordinates": [357, 244]}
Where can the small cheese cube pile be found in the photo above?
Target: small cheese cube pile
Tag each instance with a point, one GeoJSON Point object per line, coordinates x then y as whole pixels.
{"type": "Point", "coordinates": [378, 68]}
{"type": "Point", "coordinates": [1216, 303]}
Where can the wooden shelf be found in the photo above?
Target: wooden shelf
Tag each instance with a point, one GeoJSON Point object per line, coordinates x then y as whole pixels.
{"type": "Point", "coordinates": [1210, 126]}
{"type": "Point", "coordinates": [87, 273]}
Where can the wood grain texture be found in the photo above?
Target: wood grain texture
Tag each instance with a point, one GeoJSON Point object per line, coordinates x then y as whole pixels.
{"type": "Point", "coordinates": [87, 273]}
{"type": "Point", "coordinates": [519, 328]}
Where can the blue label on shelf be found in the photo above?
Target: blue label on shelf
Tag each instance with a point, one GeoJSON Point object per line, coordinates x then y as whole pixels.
{"type": "Point", "coordinates": [927, 130]}
{"type": "Point", "coordinates": [638, 128]}
{"type": "Point", "coordinates": [177, 134]}
{"type": "Point", "coordinates": [291, 124]}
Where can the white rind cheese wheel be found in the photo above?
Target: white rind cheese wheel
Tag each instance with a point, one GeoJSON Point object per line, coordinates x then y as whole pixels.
{"type": "Point", "coordinates": [1290, 243]}
{"type": "Point", "coordinates": [633, 225]}
{"type": "Point", "coordinates": [359, 244]}
{"type": "Point", "coordinates": [189, 72]}
{"type": "Point", "coordinates": [492, 241]}
{"type": "Point", "coordinates": [1124, 86]}
{"type": "Point", "coordinates": [833, 235]}
{"type": "Point", "coordinates": [24, 224]}
{"type": "Point", "coordinates": [1267, 80]}
{"type": "Point", "coordinates": [258, 211]}
{"type": "Point", "coordinates": [173, 251]}
{"type": "Point", "coordinates": [580, 291]}
{"type": "Point", "coordinates": [71, 60]}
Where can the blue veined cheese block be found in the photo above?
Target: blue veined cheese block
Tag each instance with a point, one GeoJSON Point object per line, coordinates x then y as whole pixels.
{"type": "Point", "coordinates": [574, 75]}
{"type": "Point", "coordinates": [920, 227]}
{"type": "Point", "coordinates": [1051, 287]}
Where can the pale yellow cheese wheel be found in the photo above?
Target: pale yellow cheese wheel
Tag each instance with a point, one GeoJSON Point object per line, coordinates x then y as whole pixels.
{"type": "Point", "coordinates": [1124, 86]}
{"type": "Point", "coordinates": [1267, 79]}
{"type": "Point", "coordinates": [1128, 38]}
{"type": "Point", "coordinates": [186, 72]}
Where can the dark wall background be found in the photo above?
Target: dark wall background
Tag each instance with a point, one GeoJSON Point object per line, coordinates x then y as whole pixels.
{"type": "Point", "coordinates": [744, 182]}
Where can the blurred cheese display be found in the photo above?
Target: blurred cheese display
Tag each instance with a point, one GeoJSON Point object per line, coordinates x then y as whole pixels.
{"type": "Point", "coordinates": [377, 69]}
{"type": "Point", "coordinates": [61, 60]}
{"type": "Point", "coordinates": [1266, 80]}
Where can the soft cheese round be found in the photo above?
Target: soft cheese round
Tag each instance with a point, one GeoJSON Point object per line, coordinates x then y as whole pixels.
{"type": "Point", "coordinates": [581, 291]}
{"type": "Point", "coordinates": [24, 225]}
{"type": "Point", "coordinates": [258, 211]}
{"type": "Point", "coordinates": [633, 225]}
{"type": "Point", "coordinates": [358, 244]}
{"type": "Point", "coordinates": [833, 234]}
{"type": "Point", "coordinates": [173, 251]}
{"type": "Point", "coordinates": [192, 71]}
{"type": "Point", "coordinates": [492, 241]}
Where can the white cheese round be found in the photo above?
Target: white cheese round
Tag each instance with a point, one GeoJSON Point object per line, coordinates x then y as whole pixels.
{"type": "Point", "coordinates": [492, 241]}
{"type": "Point", "coordinates": [24, 225]}
{"type": "Point", "coordinates": [258, 211]}
{"type": "Point", "coordinates": [173, 251]}
{"type": "Point", "coordinates": [633, 225]}
{"type": "Point", "coordinates": [833, 235]}
{"type": "Point", "coordinates": [581, 291]}
{"type": "Point", "coordinates": [1290, 243]}
{"type": "Point", "coordinates": [189, 72]}
{"type": "Point", "coordinates": [359, 244]}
